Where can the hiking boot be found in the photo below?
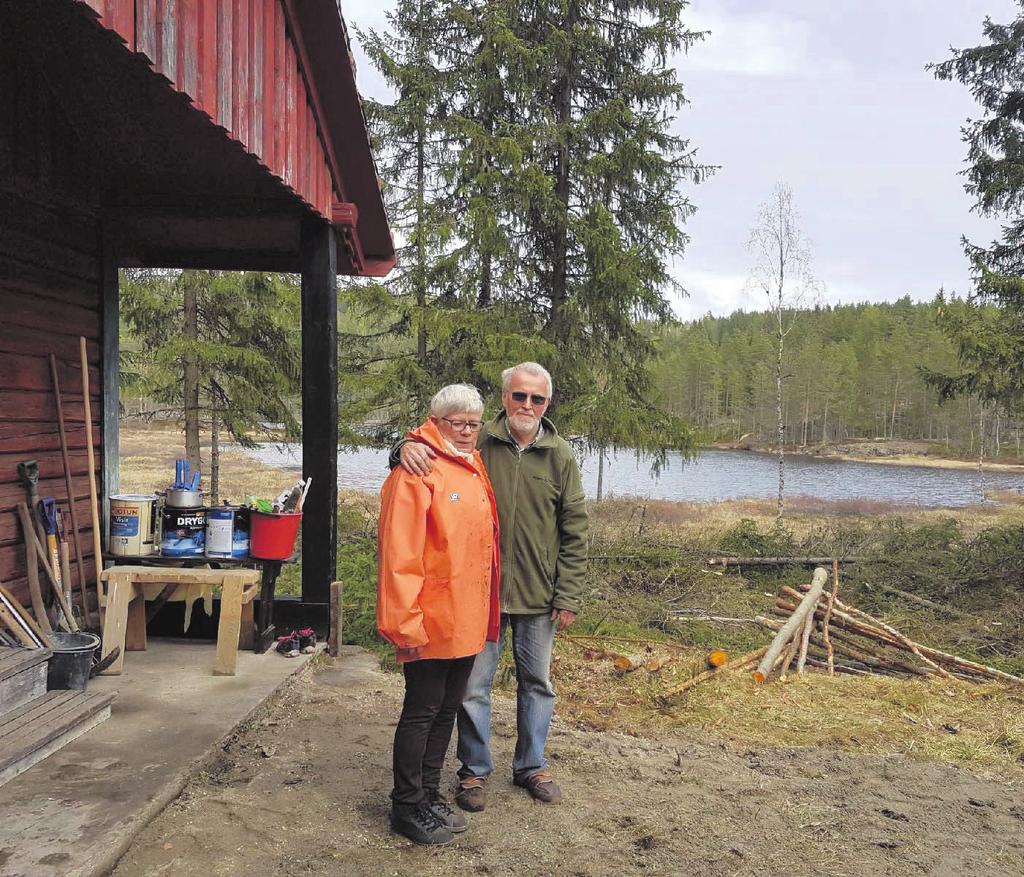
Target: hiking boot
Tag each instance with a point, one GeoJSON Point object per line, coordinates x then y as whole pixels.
{"type": "Point", "coordinates": [456, 822]}
{"type": "Point", "coordinates": [307, 641]}
{"type": "Point", "coordinates": [419, 823]}
{"type": "Point", "coordinates": [288, 645]}
{"type": "Point", "coordinates": [541, 786]}
{"type": "Point", "coordinates": [470, 794]}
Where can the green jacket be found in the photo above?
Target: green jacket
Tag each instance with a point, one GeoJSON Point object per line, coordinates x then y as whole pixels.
{"type": "Point", "coordinates": [543, 518]}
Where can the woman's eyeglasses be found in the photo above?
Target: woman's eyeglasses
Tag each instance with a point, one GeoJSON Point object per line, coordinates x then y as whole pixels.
{"type": "Point", "coordinates": [460, 425]}
{"type": "Point", "coordinates": [535, 399]}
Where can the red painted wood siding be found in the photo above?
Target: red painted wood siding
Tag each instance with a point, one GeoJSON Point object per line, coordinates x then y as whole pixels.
{"type": "Point", "coordinates": [49, 296]}
{"type": "Point", "coordinates": [239, 62]}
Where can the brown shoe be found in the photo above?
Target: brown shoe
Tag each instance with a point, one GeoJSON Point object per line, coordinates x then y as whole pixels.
{"type": "Point", "coordinates": [470, 795]}
{"type": "Point", "coordinates": [542, 787]}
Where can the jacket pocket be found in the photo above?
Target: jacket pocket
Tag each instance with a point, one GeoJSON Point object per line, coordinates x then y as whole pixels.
{"type": "Point", "coordinates": [438, 609]}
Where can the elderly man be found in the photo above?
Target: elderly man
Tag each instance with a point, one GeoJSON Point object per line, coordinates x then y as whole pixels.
{"type": "Point", "coordinates": [543, 519]}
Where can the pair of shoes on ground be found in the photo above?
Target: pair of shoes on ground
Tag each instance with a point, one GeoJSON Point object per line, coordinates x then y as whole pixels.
{"type": "Point", "coordinates": [432, 822]}
{"type": "Point", "coordinates": [298, 642]}
{"type": "Point", "coordinates": [471, 794]}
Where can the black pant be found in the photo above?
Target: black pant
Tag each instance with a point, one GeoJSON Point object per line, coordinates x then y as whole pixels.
{"type": "Point", "coordinates": [434, 690]}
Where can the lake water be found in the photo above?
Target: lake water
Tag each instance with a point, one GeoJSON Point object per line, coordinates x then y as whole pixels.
{"type": "Point", "coordinates": [723, 474]}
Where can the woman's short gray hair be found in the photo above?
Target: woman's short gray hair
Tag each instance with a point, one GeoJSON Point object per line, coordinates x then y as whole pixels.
{"type": "Point", "coordinates": [531, 368]}
{"type": "Point", "coordinates": [456, 399]}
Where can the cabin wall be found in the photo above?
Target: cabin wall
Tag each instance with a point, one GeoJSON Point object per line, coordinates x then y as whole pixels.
{"type": "Point", "coordinates": [50, 295]}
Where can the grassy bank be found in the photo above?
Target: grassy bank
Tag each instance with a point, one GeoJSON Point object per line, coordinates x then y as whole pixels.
{"type": "Point", "coordinates": [649, 557]}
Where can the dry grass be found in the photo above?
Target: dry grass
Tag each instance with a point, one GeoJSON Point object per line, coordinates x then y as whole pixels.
{"type": "Point", "coordinates": [981, 726]}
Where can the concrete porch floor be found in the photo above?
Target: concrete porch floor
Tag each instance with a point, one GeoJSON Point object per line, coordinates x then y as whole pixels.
{"type": "Point", "coordinates": [73, 814]}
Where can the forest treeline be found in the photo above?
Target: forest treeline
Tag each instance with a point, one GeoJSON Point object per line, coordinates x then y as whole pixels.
{"type": "Point", "coordinates": [851, 371]}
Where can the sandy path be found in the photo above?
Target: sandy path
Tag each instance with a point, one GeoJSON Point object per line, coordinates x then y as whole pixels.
{"type": "Point", "coordinates": [302, 791]}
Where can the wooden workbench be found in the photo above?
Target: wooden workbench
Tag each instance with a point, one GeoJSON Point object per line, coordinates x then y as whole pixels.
{"type": "Point", "coordinates": [127, 587]}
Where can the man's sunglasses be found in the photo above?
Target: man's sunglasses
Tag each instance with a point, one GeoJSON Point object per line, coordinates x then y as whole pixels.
{"type": "Point", "coordinates": [520, 396]}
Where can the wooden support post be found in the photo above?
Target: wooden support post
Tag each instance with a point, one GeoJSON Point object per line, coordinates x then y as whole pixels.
{"type": "Point", "coordinates": [230, 626]}
{"type": "Point", "coordinates": [110, 386]}
{"type": "Point", "coordinates": [337, 618]}
{"type": "Point", "coordinates": [318, 258]}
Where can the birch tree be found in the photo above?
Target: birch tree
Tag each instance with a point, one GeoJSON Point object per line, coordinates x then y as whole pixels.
{"type": "Point", "coordinates": [782, 273]}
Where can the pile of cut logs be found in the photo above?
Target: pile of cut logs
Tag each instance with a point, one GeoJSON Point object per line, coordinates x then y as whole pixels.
{"type": "Point", "coordinates": [814, 628]}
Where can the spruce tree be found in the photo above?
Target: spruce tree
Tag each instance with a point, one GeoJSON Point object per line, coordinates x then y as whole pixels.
{"type": "Point", "coordinates": [220, 349]}
{"type": "Point", "coordinates": [988, 329]}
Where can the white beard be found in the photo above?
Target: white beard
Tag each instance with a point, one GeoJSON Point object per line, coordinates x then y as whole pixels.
{"type": "Point", "coordinates": [524, 423]}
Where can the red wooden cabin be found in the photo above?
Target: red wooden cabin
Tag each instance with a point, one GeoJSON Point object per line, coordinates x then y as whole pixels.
{"type": "Point", "coordinates": [171, 133]}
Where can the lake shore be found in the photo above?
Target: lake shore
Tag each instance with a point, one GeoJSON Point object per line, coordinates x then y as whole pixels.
{"type": "Point", "coordinates": [884, 453]}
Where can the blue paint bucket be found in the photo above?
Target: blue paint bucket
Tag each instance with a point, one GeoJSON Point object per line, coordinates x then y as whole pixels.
{"type": "Point", "coordinates": [227, 532]}
{"type": "Point", "coordinates": [182, 532]}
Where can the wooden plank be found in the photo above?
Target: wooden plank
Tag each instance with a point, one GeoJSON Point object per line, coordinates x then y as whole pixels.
{"type": "Point", "coordinates": [206, 58]}
{"type": "Point", "coordinates": [18, 689]}
{"type": "Point", "coordinates": [27, 310]}
{"type": "Point", "coordinates": [167, 29]}
{"type": "Point", "coordinates": [56, 743]}
{"type": "Point", "coordinates": [269, 79]}
{"type": "Point", "coordinates": [135, 629]}
{"type": "Point", "coordinates": [291, 76]}
{"type": "Point", "coordinates": [319, 409]}
{"type": "Point", "coordinates": [13, 661]}
{"type": "Point", "coordinates": [240, 63]}
{"type": "Point", "coordinates": [229, 627]}
{"type": "Point", "coordinates": [145, 30]}
{"type": "Point", "coordinates": [120, 591]}
{"type": "Point", "coordinates": [280, 92]}
{"type": "Point", "coordinates": [31, 371]}
{"type": "Point", "coordinates": [225, 63]}
{"type": "Point", "coordinates": [36, 406]}
{"type": "Point", "coordinates": [54, 702]}
{"type": "Point", "coordinates": [188, 48]}
{"type": "Point", "coordinates": [256, 68]}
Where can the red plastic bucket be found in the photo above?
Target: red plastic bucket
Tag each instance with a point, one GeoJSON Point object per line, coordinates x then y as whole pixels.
{"type": "Point", "coordinates": [272, 536]}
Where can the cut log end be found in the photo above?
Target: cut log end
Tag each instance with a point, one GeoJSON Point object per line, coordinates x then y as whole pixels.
{"type": "Point", "coordinates": [716, 659]}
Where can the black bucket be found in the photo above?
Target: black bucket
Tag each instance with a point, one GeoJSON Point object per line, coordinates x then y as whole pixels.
{"type": "Point", "coordinates": [71, 660]}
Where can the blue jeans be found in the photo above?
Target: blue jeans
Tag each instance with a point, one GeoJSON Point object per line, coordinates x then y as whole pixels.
{"type": "Point", "coordinates": [533, 638]}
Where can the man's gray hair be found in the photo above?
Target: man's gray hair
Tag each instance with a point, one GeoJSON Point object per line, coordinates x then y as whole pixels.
{"type": "Point", "coordinates": [530, 368]}
{"type": "Point", "coordinates": [456, 399]}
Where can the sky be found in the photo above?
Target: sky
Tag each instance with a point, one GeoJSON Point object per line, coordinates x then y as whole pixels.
{"type": "Point", "coordinates": [832, 98]}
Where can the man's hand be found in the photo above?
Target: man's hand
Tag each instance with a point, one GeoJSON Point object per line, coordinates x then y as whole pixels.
{"type": "Point", "coordinates": [564, 618]}
{"type": "Point", "coordinates": [416, 458]}
{"type": "Point", "coordinates": [412, 654]}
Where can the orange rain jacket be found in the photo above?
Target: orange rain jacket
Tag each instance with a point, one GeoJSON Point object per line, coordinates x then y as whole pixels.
{"type": "Point", "coordinates": [438, 555]}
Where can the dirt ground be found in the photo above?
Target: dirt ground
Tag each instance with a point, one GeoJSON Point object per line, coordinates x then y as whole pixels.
{"type": "Point", "coordinates": [302, 790]}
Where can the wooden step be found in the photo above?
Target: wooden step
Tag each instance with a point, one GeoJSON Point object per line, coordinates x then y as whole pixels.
{"type": "Point", "coordinates": [37, 729]}
{"type": "Point", "coordinates": [22, 677]}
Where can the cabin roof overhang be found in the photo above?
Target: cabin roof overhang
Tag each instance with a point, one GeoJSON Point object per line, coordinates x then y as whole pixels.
{"type": "Point", "coordinates": [218, 128]}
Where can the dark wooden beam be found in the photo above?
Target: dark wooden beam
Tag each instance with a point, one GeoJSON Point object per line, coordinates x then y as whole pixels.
{"type": "Point", "coordinates": [110, 367]}
{"type": "Point", "coordinates": [318, 255]}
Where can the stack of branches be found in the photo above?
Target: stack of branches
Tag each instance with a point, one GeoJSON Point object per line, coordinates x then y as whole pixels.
{"type": "Point", "coordinates": [814, 628]}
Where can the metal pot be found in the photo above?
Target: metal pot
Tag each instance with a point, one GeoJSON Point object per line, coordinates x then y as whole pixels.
{"type": "Point", "coordinates": [183, 499]}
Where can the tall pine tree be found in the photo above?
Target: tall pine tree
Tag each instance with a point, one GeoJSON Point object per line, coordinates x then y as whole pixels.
{"type": "Point", "coordinates": [989, 328]}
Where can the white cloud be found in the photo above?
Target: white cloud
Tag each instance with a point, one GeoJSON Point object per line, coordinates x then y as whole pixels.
{"type": "Point", "coordinates": [714, 292]}
{"type": "Point", "coordinates": [756, 44]}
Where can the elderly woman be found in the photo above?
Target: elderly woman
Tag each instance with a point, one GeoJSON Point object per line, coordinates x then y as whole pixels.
{"type": "Point", "coordinates": [437, 601]}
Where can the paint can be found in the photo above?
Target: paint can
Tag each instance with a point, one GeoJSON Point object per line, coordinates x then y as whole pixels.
{"type": "Point", "coordinates": [132, 525]}
{"type": "Point", "coordinates": [227, 532]}
{"type": "Point", "coordinates": [182, 532]}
